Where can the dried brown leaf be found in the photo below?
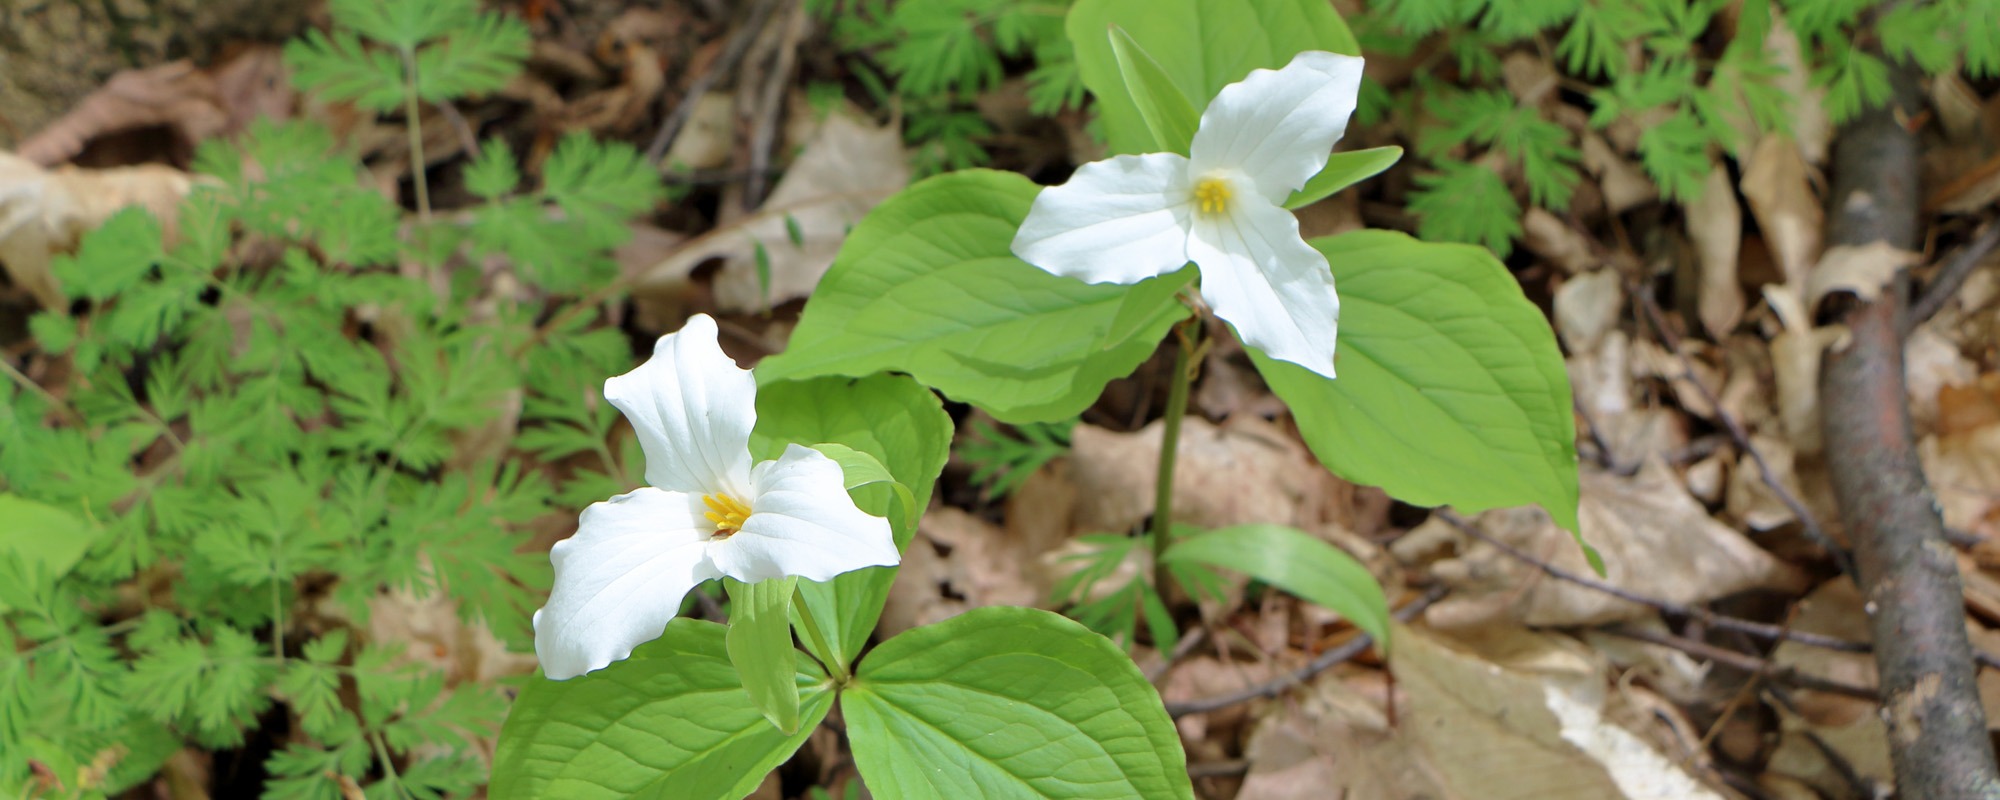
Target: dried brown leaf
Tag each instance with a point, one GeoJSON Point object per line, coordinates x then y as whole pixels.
{"type": "Point", "coordinates": [1863, 270]}
{"type": "Point", "coordinates": [1587, 307]}
{"type": "Point", "coordinates": [1778, 185]}
{"type": "Point", "coordinates": [174, 95]}
{"type": "Point", "coordinates": [1715, 223]}
{"type": "Point", "coordinates": [1535, 708]}
{"type": "Point", "coordinates": [1246, 470]}
{"type": "Point", "coordinates": [846, 168]}
{"type": "Point", "coordinates": [1656, 540]}
{"type": "Point", "coordinates": [43, 212]}
{"type": "Point", "coordinates": [1546, 235]}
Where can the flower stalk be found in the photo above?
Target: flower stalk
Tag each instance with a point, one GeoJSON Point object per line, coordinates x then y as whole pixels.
{"type": "Point", "coordinates": [819, 642]}
{"type": "Point", "coordinates": [1181, 378]}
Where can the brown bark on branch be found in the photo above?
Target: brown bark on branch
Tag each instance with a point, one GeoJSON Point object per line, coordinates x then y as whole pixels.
{"type": "Point", "coordinates": [1906, 569]}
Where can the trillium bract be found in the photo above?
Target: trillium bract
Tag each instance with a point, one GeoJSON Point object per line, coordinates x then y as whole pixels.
{"type": "Point", "coordinates": [708, 513]}
{"type": "Point", "coordinates": [1131, 217]}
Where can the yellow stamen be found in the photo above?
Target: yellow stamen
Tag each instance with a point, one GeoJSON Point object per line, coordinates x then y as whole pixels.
{"type": "Point", "coordinates": [728, 514]}
{"type": "Point", "coordinates": [1211, 195]}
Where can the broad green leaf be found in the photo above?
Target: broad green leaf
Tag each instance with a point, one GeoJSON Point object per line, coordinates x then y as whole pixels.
{"type": "Point", "coordinates": [928, 284]}
{"type": "Point", "coordinates": [1205, 45]}
{"type": "Point", "coordinates": [1451, 389]}
{"type": "Point", "coordinates": [899, 423]}
{"type": "Point", "coordinates": [43, 536]}
{"type": "Point", "coordinates": [860, 469]}
{"type": "Point", "coordinates": [1342, 170]}
{"type": "Point", "coordinates": [1294, 561]}
{"type": "Point", "coordinates": [760, 646]}
{"type": "Point", "coordinates": [1010, 702]}
{"type": "Point", "coordinates": [672, 721]}
{"type": "Point", "coordinates": [1162, 105]}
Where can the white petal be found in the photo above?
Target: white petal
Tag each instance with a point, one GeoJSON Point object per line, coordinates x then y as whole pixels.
{"type": "Point", "coordinates": [1262, 278]}
{"type": "Point", "coordinates": [693, 410]}
{"type": "Point", "coordinates": [1278, 126]}
{"type": "Point", "coordinates": [803, 523]}
{"type": "Point", "coordinates": [1121, 220]}
{"type": "Point", "coordinates": [620, 579]}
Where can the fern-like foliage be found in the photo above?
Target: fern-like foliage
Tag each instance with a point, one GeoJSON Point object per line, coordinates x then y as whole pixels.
{"type": "Point", "coordinates": [1646, 63]}
{"type": "Point", "coordinates": [940, 54]}
{"type": "Point", "coordinates": [270, 424]}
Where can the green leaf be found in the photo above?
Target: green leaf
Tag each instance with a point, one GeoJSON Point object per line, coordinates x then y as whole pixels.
{"type": "Point", "coordinates": [928, 284]}
{"type": "Point", "coordinates": [899, 423]}
{"type": "Point", "coordinates": [760, 646]}
{"type": "Point", "coordinates": [494, 172]}
{"type": "Point", "coordinates": [340, 67]}
{"type": "Point", "coordinates": [1294, 561]}
{"type": "Point", "coordinates": [1010, 702]}
{"type": "Point", "coordinates": [43, 536]}
{"type": "Point", "coordinates": [113, 258]}
{"type": "Point", "coordinates": [1162, 105]}
{"type": "Point", "coordinates": [1208, 44]}
{"type": "Point", "coordinates": [672, 721]}
{"type": "Point", "coordinates": [860, 469]}
{"type": "Point", "coordinates": [476, 59]}
{"type": "Point", "coordinates": [403, 23]}
{"type": "Point", "coordinates": [1342, 170]}
{"type": "Point", "coordinates": [1451, 389]}
{"type": "Point", "coordinates": [1465, 202]}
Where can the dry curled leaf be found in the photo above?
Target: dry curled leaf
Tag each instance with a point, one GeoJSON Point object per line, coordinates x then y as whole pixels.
{"type": "Point", "coordinates": [1246, 470]}
{"type": "Point", "coordinates": [1778, 185]}
{"type": "Point", "coordinates": [1863, 270]}
{"type": "Point", "coordinates": [44, 212]}
{"type": "Point", "coordinates": [1656, 539]}
{"type": "Point", "coordinates": [847, 167]}
{"type": "Point", "coordinates": [174, 95]}
{"type": "Point", "coordinates": [1715, 223]}
{"type": "Point", "coordinates": [1536, 709]}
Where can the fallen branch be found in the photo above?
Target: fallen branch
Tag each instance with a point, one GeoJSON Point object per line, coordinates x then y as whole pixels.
{"type": "Point", "coordinates": [1281, 684]}
{"type": "Point", "coordinates": [1906, 570]}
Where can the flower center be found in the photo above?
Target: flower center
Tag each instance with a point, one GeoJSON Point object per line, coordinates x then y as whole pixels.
{"type": "Point", "coordinates": [728, 514]}
{"type": "Point", "coordinates": [1211, 195]}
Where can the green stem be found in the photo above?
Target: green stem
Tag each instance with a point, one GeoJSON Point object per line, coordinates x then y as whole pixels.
{"type": "Point", "coordinates": [839, 670]}
{"type": "Point", "coordinates": [278, 621]}
{"type": "Point", "coordinates": [388, 765]}
{"type": "Point", "coordinates": [1170, 440]}
{"type": "Point", "coordinates": [416, 130]}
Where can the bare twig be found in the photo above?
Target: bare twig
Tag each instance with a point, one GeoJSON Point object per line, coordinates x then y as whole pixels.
{"type": "Point", "coordinates": [1273, 688]}
{"type": "Point", "coordinates": [732, 51]}
{"type": "Point", "coordinates": [1218, 769]}
{"type": "Point", "coordinates": [1952, 275]}
{"type": "Point", "coordinates": [463, 129]}
{"type": "Point", "coordinates": [1182, 648]}
{"type": "Point", "coordinates": [1699, 614]}
{"type": "Point", "coordinates": [1651, 310]}
{"type": "Point", "coordinates": [769, 100]}
{"type": "Point", "coordinates": [1742, 661]}
{"type": "Point", "coordinates": [1938, 744]}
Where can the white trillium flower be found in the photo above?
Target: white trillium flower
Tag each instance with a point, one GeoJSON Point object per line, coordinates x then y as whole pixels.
{"type": "Point", "coordinates": [709, 512]}
{"type": "Point", "coordinates": [1131, 217]}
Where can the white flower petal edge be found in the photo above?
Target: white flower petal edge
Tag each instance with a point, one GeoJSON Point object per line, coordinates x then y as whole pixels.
{"type": "Point", "coordinates": [693, 410]}
{"type": "Point", "coordinates": [803, 523]}
{"type": "Point", "coordinates": [1267, 282]}
{"type": "Point", "coordinates": [1278, 126]}
{"type": "Point", "coordinates": [1121, 220]}
{"type": "Point", "coordinates": [620, 579]}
